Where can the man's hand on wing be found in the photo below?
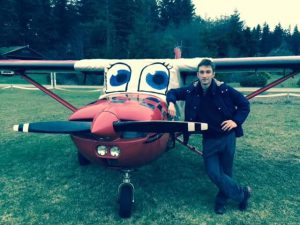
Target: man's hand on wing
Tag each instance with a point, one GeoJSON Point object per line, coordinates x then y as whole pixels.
{"type": "Point", "coordinates": [171, 109]}
{"type": "Point", "coordinates": [228, 125]}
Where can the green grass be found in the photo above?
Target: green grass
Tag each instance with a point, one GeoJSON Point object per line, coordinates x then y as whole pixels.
{"type": "Point", "coordinates": [42, 183]}
{"type": "Point", "coordinates": [19, 80]}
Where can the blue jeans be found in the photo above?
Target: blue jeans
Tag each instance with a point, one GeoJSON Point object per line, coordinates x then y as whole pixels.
{"type": "Point", "coordinates": [218, 160]}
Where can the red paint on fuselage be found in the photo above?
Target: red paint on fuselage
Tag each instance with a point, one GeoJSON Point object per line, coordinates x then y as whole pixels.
{"type": "Point", "coordinates": [136, 149]}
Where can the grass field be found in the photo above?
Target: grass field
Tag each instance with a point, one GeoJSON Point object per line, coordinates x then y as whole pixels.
{"type": "Point", "coordinates": [42, 183]}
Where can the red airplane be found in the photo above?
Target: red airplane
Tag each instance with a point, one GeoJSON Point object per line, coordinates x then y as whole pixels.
{"type": "Point", "coordinates": [129, 125]}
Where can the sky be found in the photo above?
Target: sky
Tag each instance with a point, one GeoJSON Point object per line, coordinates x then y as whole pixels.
{"type": "Point", "coordinates": [253, 12]}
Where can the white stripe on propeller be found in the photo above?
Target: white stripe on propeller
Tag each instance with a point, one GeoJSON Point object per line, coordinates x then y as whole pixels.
{"type": "Point", "coordinates": [204, 126]}
{"type": "Point", "coordinates": [191, 126]}
{"type": "Point", "coordinates": [25, 127]}
{"type": "Point", "coordinates": [16, 128]}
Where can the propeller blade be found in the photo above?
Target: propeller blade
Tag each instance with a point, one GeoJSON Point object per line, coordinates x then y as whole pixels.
{"type": "Point", "coordinates": [54, 127]}
{"type": "Point", "coordinates": [160, 126]}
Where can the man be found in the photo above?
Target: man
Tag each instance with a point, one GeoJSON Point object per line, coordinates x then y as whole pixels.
{"type": "Point", "coordinates": [224, 109]}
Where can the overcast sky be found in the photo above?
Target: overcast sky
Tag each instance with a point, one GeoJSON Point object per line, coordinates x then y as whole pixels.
{"type": "Point", "coordinates": [253, 12]}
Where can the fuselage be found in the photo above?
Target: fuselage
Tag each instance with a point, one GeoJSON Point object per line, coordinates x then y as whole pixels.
{"type": "Point", "coordinates": [121, 149]}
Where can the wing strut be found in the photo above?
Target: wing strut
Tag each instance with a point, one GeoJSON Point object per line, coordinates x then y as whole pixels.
{"type": "Point", "coordinates": [48, 92]}
{"type": "Point", "coordinates": [190, 147]}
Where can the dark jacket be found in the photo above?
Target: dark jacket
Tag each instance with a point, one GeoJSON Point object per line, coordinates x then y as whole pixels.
{"type": "Point", "coordinates": [231, 103]}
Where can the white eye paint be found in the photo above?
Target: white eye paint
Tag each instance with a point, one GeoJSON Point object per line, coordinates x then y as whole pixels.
{"type": "Point", "coordinates": [154, 78]}
{"type": "Point", "coordinates": [117, 77]}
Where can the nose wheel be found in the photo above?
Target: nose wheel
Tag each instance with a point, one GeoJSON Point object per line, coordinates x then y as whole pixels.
{"type": "Point", "coordinates": [126, 196]}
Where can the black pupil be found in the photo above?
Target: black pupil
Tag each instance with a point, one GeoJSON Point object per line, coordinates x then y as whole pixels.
{"type": "Point", "coordinates": [121, 77]}
{"type": "Point", "coordinates": [158, 79]}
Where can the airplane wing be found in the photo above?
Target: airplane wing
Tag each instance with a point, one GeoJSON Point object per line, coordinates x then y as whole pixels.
{"type": "Point", "coordinates": [244, 64]}
{"type": "Point", "coordinates": [185, 65]}
{"type": "Point", "coordinates": [37, 65]}
{"type": "Point", "coordinates": [289, 64]}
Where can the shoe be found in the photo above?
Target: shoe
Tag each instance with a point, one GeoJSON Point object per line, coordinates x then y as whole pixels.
{"type": "Point", "coordinates": [245, 202]}
{"type": "Point", "coordinates": [220, 209]}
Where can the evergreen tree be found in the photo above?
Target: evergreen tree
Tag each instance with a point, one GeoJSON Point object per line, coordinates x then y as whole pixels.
{"type": "Point", "coordinates": [122, 14]}
{"type": "Point", "coordinates": [67, 39]}
{"type": "Point", "coordinates": [45, 31]}
{"type": "Point", "coordinates": [27, 20]}
{"type": "Point", "coordinates": [277, 36]}
{"type": "Point", "coordinates": [256, 35]}
{"type": "Point", "coordinates": [235, 35]}
{"type": "Point", "coordinates": [295, 41]}
{"type": "Point", "coordinates": [250, 43]}
{"type": "Point", "coordinates": [95, 27]}
{"type": "Point", "coordinates": [256, 32]}
{"type": "Point", "coordinates": [265, 43]}
{"type": "Point", "coordinates": [184, 11]}
{"type": "Point", "coordinates": [9, 34]}
{"type": "Point", "coordinates": [175, 12]}
{"type": "Point", "coordinates": [142, 39]}
{"type": "Point", "coordinates": [73, 29]}
{"type": "Point", "coordinates": [220, 37]}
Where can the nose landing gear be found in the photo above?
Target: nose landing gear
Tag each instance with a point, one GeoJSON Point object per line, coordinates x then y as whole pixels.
{"type": "Point", "coordinates": [126, 196]}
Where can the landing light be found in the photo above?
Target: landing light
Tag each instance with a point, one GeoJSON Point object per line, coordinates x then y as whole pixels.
{"type": "Point", "coordinates": [115, 151]}
{"type": "Point", "coordinates": [101, 150]}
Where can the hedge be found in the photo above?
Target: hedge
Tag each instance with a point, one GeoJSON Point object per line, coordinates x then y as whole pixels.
{"type": "Point", "coordinates": [254, 80]}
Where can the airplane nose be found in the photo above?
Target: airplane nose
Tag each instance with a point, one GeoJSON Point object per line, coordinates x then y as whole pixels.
{"type": "Point", "coordinates": [103, 124]}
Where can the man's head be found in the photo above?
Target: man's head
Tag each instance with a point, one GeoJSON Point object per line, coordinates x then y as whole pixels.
{"type": "Point", "coordinates": [206, 72]}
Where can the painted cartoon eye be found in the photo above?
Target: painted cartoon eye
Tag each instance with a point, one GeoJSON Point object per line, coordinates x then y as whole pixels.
{"type": "Point", "coordinates": [117, 77]}
{"type": "Point", "coordinates": [154, 78]}
{"type": "Point", "coordinates": [158, 80]}
{"type": "Point", "coordinates": [121, 77]}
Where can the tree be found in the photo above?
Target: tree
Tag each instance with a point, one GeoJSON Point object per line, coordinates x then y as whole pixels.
{"type": "Point", "coordinates": [122, 15]}
{"type": "Point", "coordinates": [95, 27]}
{"type": "Point", "coordinates": [184, 11]}
{"type": "Point", "coordinates": [45, 32]}
{"type": "Point", "coordinates": [265, 43]}
{"type": "Point", "coordinates": [256, 31]}
{"type": "Point", "coordinates": [225, 37]}
{"type": "Point", "coordinates": [236, 37]}
{"type": "Point", "coordinates": [9, 34]}
{"type": "Point", "coordinates": [141, 40]}
{"type": "Point", "coordinates": [175, 12]}
{"type": "Point", "coordinates": [295, 41]}
{"type": "Point", "coordinates": [250, 43]}
{"type": "Point", "coordinates": [256, 34]}
{"type": "Point", "coordinates": [277, 36]}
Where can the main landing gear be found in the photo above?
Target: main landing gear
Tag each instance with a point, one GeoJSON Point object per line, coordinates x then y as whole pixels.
{"type": "Point", "coordinates": [125, 191]}
{"type": "Point", "coordinates": [126, 195]}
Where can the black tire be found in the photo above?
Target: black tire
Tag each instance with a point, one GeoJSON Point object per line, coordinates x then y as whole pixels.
{"type": "Point", "coordinates": [125, 200]}
{"type": "Point", "coordinates": [82, 160]}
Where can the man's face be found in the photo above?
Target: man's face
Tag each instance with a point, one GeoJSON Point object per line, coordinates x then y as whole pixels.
{"type": "Point", "coordinates": [205, 74]}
